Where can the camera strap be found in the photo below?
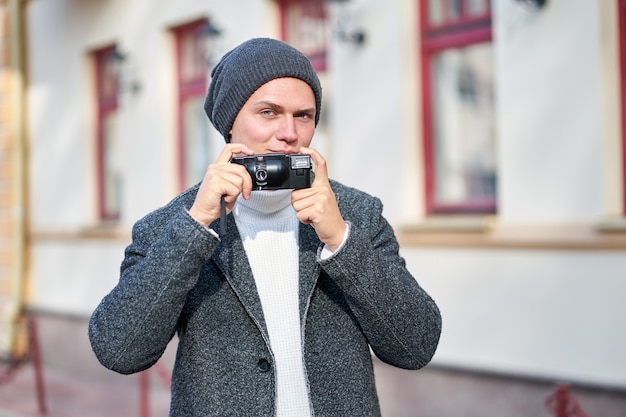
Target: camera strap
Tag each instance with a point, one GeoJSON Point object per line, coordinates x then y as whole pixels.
{"type": "Point", "coordinates": [222, 217]}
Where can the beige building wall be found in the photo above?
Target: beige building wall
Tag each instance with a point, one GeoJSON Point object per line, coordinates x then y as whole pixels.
{"type": "Point", "coordinates": [12, 220]}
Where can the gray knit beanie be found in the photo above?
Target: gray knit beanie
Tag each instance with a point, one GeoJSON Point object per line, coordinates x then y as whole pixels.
{"type": "Point", "coordinates": [244, 69]}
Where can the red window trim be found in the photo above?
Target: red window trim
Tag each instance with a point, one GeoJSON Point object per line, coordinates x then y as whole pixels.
{"type": "Point", "coordinates": [435, 38]}
{"type": "Point", "coordinates": [105, 105]}
{"type": "Point", "coordinates": [186, 89]}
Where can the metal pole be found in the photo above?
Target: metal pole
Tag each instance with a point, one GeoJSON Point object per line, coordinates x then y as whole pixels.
{"type": "Point", "coordinates": [33, 341]}
{"type": "Point", "coordinates": [144, 393]}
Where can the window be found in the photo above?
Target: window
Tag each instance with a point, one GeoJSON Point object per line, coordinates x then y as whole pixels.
{"type": "Point", "coordinates": [459, 120]}
{"type": "Point", "coordinates": [194, 151]}
{"type": "Point", "coordinates": [304, 26]}
{"type": "Point", "coordinates": [108, 174]}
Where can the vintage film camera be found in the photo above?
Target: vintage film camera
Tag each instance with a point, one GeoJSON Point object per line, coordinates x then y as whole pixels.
{"type": "Point", "coordinates": [276, 171]}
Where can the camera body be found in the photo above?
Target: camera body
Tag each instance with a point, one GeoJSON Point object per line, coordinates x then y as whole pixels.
{"type": "Point", "coordinates": [276, 171]}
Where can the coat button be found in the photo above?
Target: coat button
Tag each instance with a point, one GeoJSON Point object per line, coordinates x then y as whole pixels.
{"type": "Point", "coordinates": [263, 365]}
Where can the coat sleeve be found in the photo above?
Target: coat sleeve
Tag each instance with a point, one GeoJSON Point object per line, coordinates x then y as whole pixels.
{"type": "Point", "coordinates": [401, 322]}
{"type": "Point", "coordinates": [132, 325]}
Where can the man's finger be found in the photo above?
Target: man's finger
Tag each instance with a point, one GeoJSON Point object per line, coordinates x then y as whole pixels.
{"type": "Point", "coordinates": [231, 150]}
{"type": "Point", "coordinates": [321, 170]}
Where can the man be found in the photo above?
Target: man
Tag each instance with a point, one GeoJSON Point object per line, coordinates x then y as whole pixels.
{"type": "Point", "coordinates": [277, 314]}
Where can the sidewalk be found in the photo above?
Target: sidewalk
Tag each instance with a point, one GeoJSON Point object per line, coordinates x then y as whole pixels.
{"type": "Point", "coordinates": [75, 384]}
{"type": "Point", "coordinates": [431, 392]}
{"type": "Point", "coordinates": [80, 396]}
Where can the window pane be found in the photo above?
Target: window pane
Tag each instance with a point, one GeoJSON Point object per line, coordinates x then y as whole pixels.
{"type": "Point", "coordinates": [109, 167]}
{"type": "Point", "coordinates": [307, 29]}
{"type": "Point", "coordinates": [193, 70]}
{"type": "Point", "coordinates": [107, 63]}
{"type": "Point", "coordinates": [112, 175]}
{"type": "Point", "coordinates": [477, 7]}
{"type": "Point", "coordinates": [435, 12]}
{"type": "Point", "coordinates": [444, 11]}
{"type": "Point", "coordinates": [455, 11]}
{"type": "Point", "coordinates": [197, 151]}
{"type": "Point", "coordinates": [108, 72]}
{"type": "Point", "coordinates": [192, 55]}
{"type": "Point", "coordinates": [464, 125]}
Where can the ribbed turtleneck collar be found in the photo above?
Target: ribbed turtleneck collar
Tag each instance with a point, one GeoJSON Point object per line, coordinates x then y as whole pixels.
{"type": "Point", "coordinates": [264, 206]}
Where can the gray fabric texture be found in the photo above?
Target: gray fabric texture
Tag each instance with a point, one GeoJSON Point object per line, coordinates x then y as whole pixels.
{"type": "Point", "coordinates": [176, 277]}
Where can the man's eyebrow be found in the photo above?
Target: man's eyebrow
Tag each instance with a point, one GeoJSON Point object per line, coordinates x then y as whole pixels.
{"type": "Point", "coordinates": [268, 104]}
{"type": "Point", "coordinates": [309, 110]}
{"type": "Point", "coordinates": [275, 106]}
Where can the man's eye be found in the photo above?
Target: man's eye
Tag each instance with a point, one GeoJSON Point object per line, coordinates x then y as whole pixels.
{"type": "Point", "coordinates": [267, 112]}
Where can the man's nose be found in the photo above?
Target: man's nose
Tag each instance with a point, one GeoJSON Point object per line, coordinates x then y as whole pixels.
{"type": "Point", "coordinates": [287, 130]}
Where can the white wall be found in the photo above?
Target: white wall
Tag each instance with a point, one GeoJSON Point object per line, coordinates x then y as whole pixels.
{"type": "Point", "coordinates": [72, 276]}
{"type": "Point", "coordinates": [550, 314]}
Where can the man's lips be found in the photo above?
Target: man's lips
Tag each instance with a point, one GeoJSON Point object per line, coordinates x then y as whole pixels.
{"type": "Point", "coordinates": [285, 151]}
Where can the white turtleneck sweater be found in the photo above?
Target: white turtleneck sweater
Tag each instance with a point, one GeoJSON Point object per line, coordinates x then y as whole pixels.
{"type": "Point", "coordinates": [268, 227]}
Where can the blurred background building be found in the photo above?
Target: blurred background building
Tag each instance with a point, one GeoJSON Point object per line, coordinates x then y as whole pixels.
{"type": "Point", "coordinates": [493, 131]}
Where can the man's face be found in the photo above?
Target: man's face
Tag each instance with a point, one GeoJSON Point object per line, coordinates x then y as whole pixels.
{"type": "Point", "coordinates": [278, 118]}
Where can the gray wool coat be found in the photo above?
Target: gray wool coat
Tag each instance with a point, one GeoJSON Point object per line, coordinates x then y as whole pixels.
{"type": "Point", "coordinates": [177, 277]}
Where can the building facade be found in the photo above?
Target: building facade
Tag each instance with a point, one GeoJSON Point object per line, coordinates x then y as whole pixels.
{"type": "Point", "coordinates": [493, 132]}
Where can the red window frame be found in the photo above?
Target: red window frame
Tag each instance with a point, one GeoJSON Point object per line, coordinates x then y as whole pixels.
{"type": "Point", "coordinates": [453, 31]}
{"type": "Point", "coordinates": [316, 8]}
{"type": "Point", "coordinates": [189, 86]}
{"type": "Point", "coordinates": [107, 89]}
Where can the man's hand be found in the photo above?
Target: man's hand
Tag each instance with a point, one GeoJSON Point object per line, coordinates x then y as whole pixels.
{"type": "Point", "coordinates": [222, 179]}
{"type": "Point", "coordinates": [317, 205]}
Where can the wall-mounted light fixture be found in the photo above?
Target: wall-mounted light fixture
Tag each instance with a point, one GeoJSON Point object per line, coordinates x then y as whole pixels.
{"type": "Point", "coordinates": [343, 27]}
{"type": "Point", "coordinates": [355, 36]}
{"type": "Point", "coordinates": [119, 63]}
{"type": "Point", "coordinates": [533, 3]}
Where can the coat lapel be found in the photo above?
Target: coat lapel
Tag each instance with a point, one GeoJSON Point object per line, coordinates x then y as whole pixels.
{"type": "Point", "coordinates": [309, 267]}
{"type": "Point", "coordinates": [230, 256]}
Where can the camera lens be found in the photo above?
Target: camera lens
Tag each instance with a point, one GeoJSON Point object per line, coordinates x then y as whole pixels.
{"type": "Point", "coordinates": [261, 174]}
